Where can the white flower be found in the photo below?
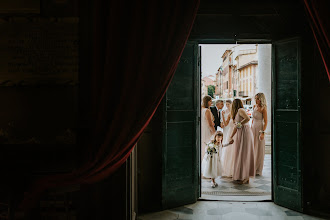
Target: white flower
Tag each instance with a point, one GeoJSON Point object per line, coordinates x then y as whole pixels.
{"type": "Point", "coordinates": [239, 125]}
{"type": "Point", "coordinates": [211, 149]}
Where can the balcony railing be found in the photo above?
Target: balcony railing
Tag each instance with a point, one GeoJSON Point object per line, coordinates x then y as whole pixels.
{"type": "Point", "coordinates": [241, 93]}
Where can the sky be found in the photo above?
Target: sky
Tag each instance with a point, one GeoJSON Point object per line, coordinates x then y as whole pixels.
{"type": "Point", "coordinates": [211, 56]}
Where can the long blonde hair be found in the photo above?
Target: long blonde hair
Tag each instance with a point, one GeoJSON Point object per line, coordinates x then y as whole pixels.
{"type": "Point", "coordinates": [262, 99]}
{"type": "Point", "coordinates": [237, 104]}
{"type": "Point", "coordinates": [206, 99]}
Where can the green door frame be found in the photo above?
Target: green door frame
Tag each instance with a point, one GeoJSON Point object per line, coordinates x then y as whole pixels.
{"type": "Point", "coordinates": [252, 41]}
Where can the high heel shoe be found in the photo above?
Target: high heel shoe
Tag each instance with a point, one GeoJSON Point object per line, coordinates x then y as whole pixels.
{"type": "Point", "coordinates": [246, 181]}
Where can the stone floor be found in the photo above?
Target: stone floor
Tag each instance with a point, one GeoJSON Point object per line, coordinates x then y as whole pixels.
{"type": "Point", "coordinates": [241, 202]}
{"type": "Point", "coordinates": [219, 210]}
{"type": "Point", "coordinates": [259, 186]}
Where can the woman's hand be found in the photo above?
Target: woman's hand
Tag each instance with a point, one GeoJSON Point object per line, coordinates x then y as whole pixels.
{"type": "Point", "coordinates": [231, 141]}
{"type": "Point", "coordinates": [262, 136]}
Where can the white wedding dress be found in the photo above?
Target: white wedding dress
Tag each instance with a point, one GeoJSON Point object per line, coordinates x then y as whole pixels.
{"type": "Point", "coordinates": [211, 165]}
{"type": "Point", "coordinates": [206, 133]}
{"type": "Point", "coordinates": [227, 156]}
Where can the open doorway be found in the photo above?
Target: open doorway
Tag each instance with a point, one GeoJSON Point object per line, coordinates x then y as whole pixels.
{"type": "Point", "coordinates": [176, 128]}
{"type": "Point", "coordinates": [238, 71]}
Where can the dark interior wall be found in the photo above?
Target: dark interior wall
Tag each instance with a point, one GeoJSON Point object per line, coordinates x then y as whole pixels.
{"type": "Point", "coordinates": [38, 91]}
{"type": "Point", "coordinates": [40, 113]}
{"type": "Point", "coordinates": [149, 163]}
{"type": "Point", "coordinates": [106, 199]}
{"type": "Point", "coordinates": [248, 21]}
{"type": "Point", "coordinates": [317, 135]}
{"type": "Point", "coordinates": [38, 73]}
{"type": "Point", "coordinates": [43, 45]}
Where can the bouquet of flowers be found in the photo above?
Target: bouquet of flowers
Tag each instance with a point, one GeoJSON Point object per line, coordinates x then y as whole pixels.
{"type": "Point", "coordinates": [211, 149]}
{"type": "Point", "coordinates": [239, 125]}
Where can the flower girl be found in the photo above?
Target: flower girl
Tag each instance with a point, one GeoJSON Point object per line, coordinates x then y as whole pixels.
{"type": "Point", "coordinates": [211, 166]}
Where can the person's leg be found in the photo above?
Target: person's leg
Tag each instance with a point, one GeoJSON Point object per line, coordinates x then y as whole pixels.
{"type": "Point", "coordinates": [213, 184]}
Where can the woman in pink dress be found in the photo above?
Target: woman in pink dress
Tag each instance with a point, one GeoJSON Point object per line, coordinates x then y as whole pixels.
{"type": "Point", "coordinates": [207, 124]}
{"type": "Point", "coordinates": [259, 125]}
{"type": "Point", "coordinates": [243, 144]}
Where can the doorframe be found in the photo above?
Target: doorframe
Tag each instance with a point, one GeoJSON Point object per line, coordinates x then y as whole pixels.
{"type": "Point", "coordinates": [242, 41]}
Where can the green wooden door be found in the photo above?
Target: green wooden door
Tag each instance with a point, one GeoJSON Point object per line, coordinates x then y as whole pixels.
{"type": "Point", "coordinates": [180, 149]}
{"type": "Point", "coordinates": [287, 179]}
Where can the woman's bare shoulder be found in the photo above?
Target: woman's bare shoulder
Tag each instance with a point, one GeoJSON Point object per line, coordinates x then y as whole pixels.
{"type": "Point", "coordinates": [241, 110]}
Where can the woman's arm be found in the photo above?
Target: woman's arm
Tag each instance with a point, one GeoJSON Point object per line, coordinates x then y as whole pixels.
{"type": "Point", "coordinates": [222, 124]}
{"type": "Point", "coordinates": [264, 114]}
{"type": "Point", "coordinates": [252, 118]}
{"type": "Point", "coordinates": [209, 120]}
{"type": "Point", "coordinates": [262, 133]}
{"type": "Point", "coordinates": [233, 133]}
{"type": "Point", "coordinates": [226, 122]}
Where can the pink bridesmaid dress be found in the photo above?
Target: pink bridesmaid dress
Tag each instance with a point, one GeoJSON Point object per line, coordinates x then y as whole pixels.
{"type": "Point", "coordinates": [243, 151]}
{"type": "Point", "coordinates": [259, 145]}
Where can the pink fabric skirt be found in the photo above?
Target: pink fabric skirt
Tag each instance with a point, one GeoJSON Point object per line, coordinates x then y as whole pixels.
{"type": "Point", "coordinates": [243, 154]}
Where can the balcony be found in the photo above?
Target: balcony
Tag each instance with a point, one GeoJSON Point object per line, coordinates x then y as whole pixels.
{"type": "Point", "coordinates": [241, 93]}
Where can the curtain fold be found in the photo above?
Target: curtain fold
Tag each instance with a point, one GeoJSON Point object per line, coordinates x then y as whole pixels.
{"type": "Point", "coordinates": [318, 13]}
{"type": "Point", "coordinates": [136, 47]}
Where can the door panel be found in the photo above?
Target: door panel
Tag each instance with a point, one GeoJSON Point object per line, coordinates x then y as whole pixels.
{"type": "Point", "coordinates": [286, 124]}
{"type": "Point", "coordinates": [180, 148]}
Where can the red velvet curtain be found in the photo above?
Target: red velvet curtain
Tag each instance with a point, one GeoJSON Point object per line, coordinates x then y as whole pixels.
{"type": "Point", "coordinates": [318, 12]}
{"type": "Point", "coordinates": [136, 46]}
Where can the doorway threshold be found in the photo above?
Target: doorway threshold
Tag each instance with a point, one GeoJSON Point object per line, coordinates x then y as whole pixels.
{"type": "Point", "coordinates": [266, 198]}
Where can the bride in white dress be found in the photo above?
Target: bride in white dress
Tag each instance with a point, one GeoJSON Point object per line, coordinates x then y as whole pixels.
{"type": "Point", "coordinates": [227, 157]}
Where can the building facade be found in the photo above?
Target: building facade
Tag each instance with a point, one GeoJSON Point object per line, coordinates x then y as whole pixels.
{"type": "Point", "coordinates": [207, 81]}
{"type": "Point", "coordinates": [225, 82]}
{"type": "Point", "coordinates": [246, 66]}
{"type": "Point", "coordinates": [237, 74]}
